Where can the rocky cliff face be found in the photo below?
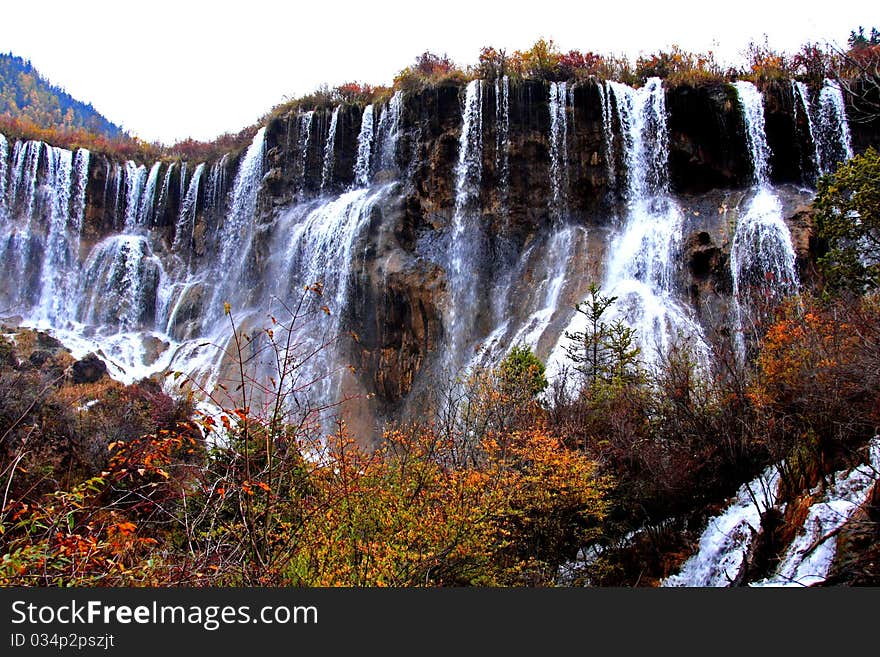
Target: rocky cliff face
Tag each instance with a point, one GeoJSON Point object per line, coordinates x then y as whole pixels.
{"type": "Point", "coordinates": [552, 162]}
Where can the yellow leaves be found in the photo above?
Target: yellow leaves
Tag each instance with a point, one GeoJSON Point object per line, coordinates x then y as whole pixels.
{"type": "Point", "coordinates": [227, 309]}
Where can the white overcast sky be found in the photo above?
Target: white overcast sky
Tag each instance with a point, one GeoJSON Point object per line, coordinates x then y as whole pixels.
{"type": "Point", "coordinates": [168, 69]}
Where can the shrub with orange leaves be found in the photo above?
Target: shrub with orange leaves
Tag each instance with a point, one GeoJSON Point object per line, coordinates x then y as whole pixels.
{"type": "Point", "coordinates": [817, 377]}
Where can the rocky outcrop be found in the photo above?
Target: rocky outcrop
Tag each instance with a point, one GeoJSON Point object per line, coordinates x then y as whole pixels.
{"type": "Point", "coordinates": [88, 370]}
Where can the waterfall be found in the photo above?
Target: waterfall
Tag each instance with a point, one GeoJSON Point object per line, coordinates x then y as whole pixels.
{"type": "Point", "coordinates": [181, 190]}
{"type": "Point", "coordinates": [146, 208]}
{"type": "Point", "coordinates": [802, 101]}
{"type": "Point", "coordinates": [81, 183]}
{"type": "Point", "coordinates": [305, 138]}
{"type": "Point", "coordinates": [466, 235]}
{"type": "Point", "coordinates": [162, 203]}
{"type": "Point", "coordinates": [725, 543]}
{"type": "Point", "coordinates": [641, 268]}
{"type": "Point", "coordinates": [317, 247]}
{"type": "Point", "coordinates": [57, 248]}
{"type": "Point", "coordinates": [502, 139]}
{"type": "Point", "coordinates": [726, 540]}
{"type": "Point", "coordinates": [15, 247]}
{"type": "Point", "coordinates": [23, 188]}
{"type": "Point", "coordinates": [236, 234]}
{"type": "Point", "coordinates": [762, 259]}
{"type": "Point", "coordinates": [389, 132]}
{"type": "Point", "coordinates": [135, 179]}
{"type": "Point", "coordinates": [809, 557]}
{"type": "Point", "coordinates": [186, 218]}
{"type": "Point", "coordinates": [23, 246]}
{"type": "Point", "coordinates": [607, 134]}
{"type": "Point", "coordinates": [364, 149]}
{"type": "Point", "coordinates": [119, 285]}
{"type": "Point", "coordinates": [215, 189]}
{"type": "Point", "coordinates": [558, 149]}
{"type": "Point", "coordinates": [751, 103]}
{"type": "Point", "coordinates": [117, 193]}
{"type": "Point", "coordinates": [832, 128]}
{"type": "Point", "coordinates": [330, 150]}
{"type": "Point", "coordinates": [4, 155]}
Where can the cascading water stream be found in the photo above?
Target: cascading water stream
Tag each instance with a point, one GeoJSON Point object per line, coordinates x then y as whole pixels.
{"type": "Point", "coordinates": [183, 230]}
{"type": "Point", "coordinates": [641, 268]}
{"type": "Point", "coordinates": [560, 243]}
{"type": "Point", "coordinates": [319, 249]}
{"type": "Point", "coordinates": [330, 151]}
{"type": "Point", "coordinates": [608, 134]}
{"type": "Point", "coordinates": [466, 235]}
{"type": "Point", "coordinates": [502, 139]}
{"type": "Point", "coordinates": [235, 236]}
{"type": "Point", "coordinates": [389, 132]}
{"type": "Point", "coordinates": [802, 101]}
{"type": "Point", "coordinates": [305, 139]}
{"type": "Point", "coordinates": [146, 206]}
{"type": "Point", "coordinates": [558, 150]}
{"type": "Point", "coordinates": [57, 247]}
{"type": "Point", "coordinates": [165, 190]}
{"type": "Point", "coordinates": [4, 155]}
{"type": "Point", "coordinates": [832, 128]}
{"type": "Point", "coordinates": [135, 179]}
{"type": "Point", "coordinates": [364, 149]}
{"type": "Point", "coordinates": [762, 259]}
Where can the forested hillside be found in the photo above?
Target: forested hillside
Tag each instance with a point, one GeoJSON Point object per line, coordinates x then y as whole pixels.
{"type": "Point", "coordinates": [28, 96]}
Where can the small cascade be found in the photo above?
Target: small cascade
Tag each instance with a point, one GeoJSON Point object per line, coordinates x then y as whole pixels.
{"type": "Point", "coordinates": [147, 207]}
{"type": "Point", "coordinates": [186, 218]}
{"type": "Point", "coordinates": [16, 241]}
{"type": "Point", "coordinates": [23, 244]}
{"type": "Point", "coordinates": [502, 139]}
{"type": "Point", "coordinates": [117, 195]}
{"type": "Point", "coordinates": [330, 150]}
{"type": "Point", "coordinates": [834, 142]}
{"type": "Point", "coordinates": [120, 284]}
{"type": "Point", "coordinates": [236, 234]}
{"type": "Point", "coordinates": [551, 270]}
{"type": "Point", "coordinates": [305, 138]}
{"type": "Point", "coordinates": [809, 557]}
{"type": "Point", "coordinates": [752, 105]}
{"type": "Point", "coordinates": [78, 194]}
{"type": "Point", "coordinates": [727, 538]}
{"type": "Point", "coordinates": [802, 103]}
{"type": "Point", "coordinates": [58, 255]}
{"type": "Point", "coordinates": [762, 258]}
{"type": "Point", "coordinates": [558, 149]}
{"type": "Point", "coordinates": [320, 247]}
{"type": "Point", "coordinates": [23, 184]}
{"type": "Point", "coordinates": [4, 156]}
{"type": "Point", "coordinates": [216, 188]}
{"type": "Point", "coordinates": [466, 235]}
{"type": "Point", "coordinates": [364, 149]}
{"type": "Point", "coordinates": [135, 179]}
{"type": "Point", "coordinates": [608, 135]}
{"type": "Point", "coordinates": [389, 132]}
{"type": "Point", "coordinates": [181, 191]}
{"type": "Point", "coordinates": [164, 191]}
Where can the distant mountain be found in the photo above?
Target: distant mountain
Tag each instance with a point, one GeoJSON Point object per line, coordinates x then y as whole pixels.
{"type": "Point", "coordinates": [25, 94]}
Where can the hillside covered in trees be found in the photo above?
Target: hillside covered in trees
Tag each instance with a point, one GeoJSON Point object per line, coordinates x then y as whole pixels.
{"type": "Point", "coordinates": [27, 96]}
